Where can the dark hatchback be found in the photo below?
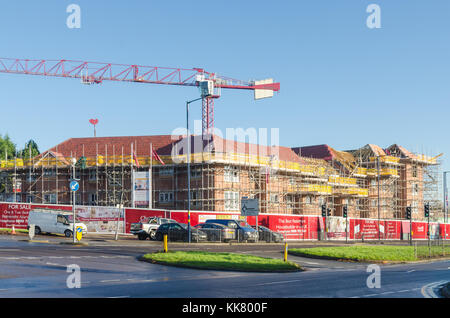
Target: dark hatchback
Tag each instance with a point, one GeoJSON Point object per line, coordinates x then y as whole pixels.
{"type": "Point", "coordinates": [266, 234]}
{"type": "Point", "coordinates": [244, 232]}
{"type": "Point", "coordinates": [179, 232]}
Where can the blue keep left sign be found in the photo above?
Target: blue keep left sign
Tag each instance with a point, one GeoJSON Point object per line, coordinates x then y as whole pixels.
{"type": "Point", "coordinates": [74, 186]}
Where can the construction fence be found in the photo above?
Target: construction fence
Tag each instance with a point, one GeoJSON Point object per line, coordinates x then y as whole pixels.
{"type": "Point", "coordinates": [293, 227]}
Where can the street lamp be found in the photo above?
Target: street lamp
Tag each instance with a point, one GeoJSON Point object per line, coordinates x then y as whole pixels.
{"type": "Point", "coordinates": [444, 190]}
{"type": "Point", "coordinates": [188, 156]}
{"type": "Point", "coordinates": [74, 161]}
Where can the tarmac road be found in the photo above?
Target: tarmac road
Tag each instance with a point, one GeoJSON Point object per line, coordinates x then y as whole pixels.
{"type": "Point", "coordinates": [110, 269]}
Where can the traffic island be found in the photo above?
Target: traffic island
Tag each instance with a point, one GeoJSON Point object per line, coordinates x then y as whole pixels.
{"type": "Point", "coordinates": [371, 253]}
{"type": "Point", "coordinates": [221, 261]}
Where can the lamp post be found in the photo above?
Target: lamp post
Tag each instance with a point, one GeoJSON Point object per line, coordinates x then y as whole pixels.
{"type": "Point", "coordinates": [188, 156]}
{"type": "Point", "coordinates": [74, 161]}
{"type": "Point", "coordinates": [444, 190]}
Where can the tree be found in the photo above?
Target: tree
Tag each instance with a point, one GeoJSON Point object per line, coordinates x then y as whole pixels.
{"type": "Point", "coordinates": [32, 146]}
{"type": "Point", "coordinates": [7, 148]}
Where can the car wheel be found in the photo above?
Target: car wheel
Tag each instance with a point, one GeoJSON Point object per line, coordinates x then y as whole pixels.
{"type": "Point", "coordinates": [142, 236]}
{"type": "Point", "coordinates": [68, 233]}
{"type": "Point", "coordinates": [37, 230]}
{"type": "Point", "coordinates": [153, 235]}
{"type": "Point", "coordinates": [159, 236]}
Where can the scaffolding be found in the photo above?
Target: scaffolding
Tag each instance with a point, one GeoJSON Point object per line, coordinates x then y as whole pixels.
{"type": "Point", "coordinates": [370, 186]}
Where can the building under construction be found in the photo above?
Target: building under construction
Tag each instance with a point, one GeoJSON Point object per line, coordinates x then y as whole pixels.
{"type": "Point", "coordinates": [372, 182]}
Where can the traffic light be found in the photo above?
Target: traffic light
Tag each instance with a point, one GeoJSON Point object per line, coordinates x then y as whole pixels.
{"type": "Point", "coordinates": [344, 211]}
{"type": "Point", "coordinates": [408, 212]}
{"type": "Point", "coordinates": [324, 210]}
{"type": "Point", "coordinates": [427, 210]}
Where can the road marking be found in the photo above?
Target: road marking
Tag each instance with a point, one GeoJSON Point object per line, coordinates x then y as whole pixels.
{"type": "Point", "coordinates": [53, 264]}
{"type": "Point", "coordinates": [310, 263]}
{"type": "Point", "coordinates": [427, 290]}
{"type": "Point", "coordinates": [413, 270]}
{"type": "Point", "coordinates": [119, 297]}
{"type": "Point", "coordinates": [281, 282]}
{"type": "Point", "coordinates": [109, 280]}
{"type": "Point", "coordinates": [386, 293]}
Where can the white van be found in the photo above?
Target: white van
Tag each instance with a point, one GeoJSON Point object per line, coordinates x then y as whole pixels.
{"type": "Point", "coordinates": [53, 221]}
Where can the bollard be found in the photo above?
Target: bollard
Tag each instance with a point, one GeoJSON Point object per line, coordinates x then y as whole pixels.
{"type": "Point", "coordinates": [285, 251]}
{"type": "Point", "coordinates": [165, 244]}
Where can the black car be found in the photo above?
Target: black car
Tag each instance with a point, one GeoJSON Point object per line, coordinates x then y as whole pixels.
{"type": "Point", "coordinates": [217, 232]}
{"type": "Point", "coordinates": [266, 234]}
{"type": "Point", "coordinates": [243, 231]}
{"type": "Point", "coordinates": [179, 232]}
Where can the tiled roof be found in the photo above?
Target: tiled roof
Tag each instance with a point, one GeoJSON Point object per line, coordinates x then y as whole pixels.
{"type": "Point", "coordinates": [221, 145]}
{"type": "Point", "coordinates": [90, 147]}
{"type": "Point", "coordinates": [163, 145]}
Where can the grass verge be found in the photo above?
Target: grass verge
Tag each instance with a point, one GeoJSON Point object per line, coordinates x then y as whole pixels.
{"type": "Point", "coordinates": [361, 253]}
{"type": "Point", "coordinates": [221, 261]}
{"type": "Point", "coordinates": [8, 231]}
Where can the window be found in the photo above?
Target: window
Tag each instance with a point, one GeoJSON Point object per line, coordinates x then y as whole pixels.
{"type": "Point", "coordinates": [49, 172]}
{"type": "Point", "coordinates": [274, 198]}
{"type": "Point", "coordinates": [196, 172]}
{"type": "Point", "coordinates": [290, 201]}
{"type": "Point", "coordinates": [291, 181]}
{"type": "Point", "coordinates": [415, 189]}
{"type": "Point", "coordinates": [93, 198]}
{"type": "Point", "coordinates": [231, 200]}
{"type": "Point", "coordinates": [166, 197]}
{"type": "Point", "coordinates": [165, 171]}
{"type": "Point", "coordinates": [50, 198]}
{"type": "Point", "coordinates": [414, 171]}
{"type": "Point", "coordinates": [373, 182]}
{"type": "Point", "coordinates": [31, 177]}
{"type": "Point", "coordinates": [308, 200]}
{"type": "Point", "coordinates": [92, 174]}
{"type": "Point", "coordinates": [196, 197]}
{"type": "Point", "coordinates": [231, 174]}
{"type": "Point", "coordinates": [373, 203]}
{"type": "Point", "coordinates": [30, 198]}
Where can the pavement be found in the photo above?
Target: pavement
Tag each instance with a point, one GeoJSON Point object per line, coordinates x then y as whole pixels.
{"type": "Point", "coordinates": [110, 268]}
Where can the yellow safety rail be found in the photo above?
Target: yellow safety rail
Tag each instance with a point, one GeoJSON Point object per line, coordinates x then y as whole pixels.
{"type": "Point", "coordinates": [345, 181]}
{"type": "Point", "coordinates": [386, 159]}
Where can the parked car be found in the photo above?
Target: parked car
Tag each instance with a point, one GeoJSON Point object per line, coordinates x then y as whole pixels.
{"type": "Point", "coordinates": [143, 230]}
{"type": "Point", "coordinates": [217, 232]}
{"type": "Point", "coordinates": [266, 234]}
{"type": "Point", "coordinates": [243, 231]}
{"type": "Point", "coordinates": [179, 232]}
{"type": "Point", "coordinates": [53, 221]}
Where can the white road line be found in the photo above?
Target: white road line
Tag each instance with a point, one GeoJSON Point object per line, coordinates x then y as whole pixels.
{"type": "Point", "coordinates": [53, 264]}
{"type": "Point", "coordinates": [280, 282]}
{"type": "Point", "coordinates": [427, 290]}
{"type": "Point", "coordinates": [413, 270]}
{"type": "Point", "coordinates": [109, 280]}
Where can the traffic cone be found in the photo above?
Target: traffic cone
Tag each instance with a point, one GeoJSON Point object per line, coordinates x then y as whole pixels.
{"type": "Point", "coordinates": [13, 231]}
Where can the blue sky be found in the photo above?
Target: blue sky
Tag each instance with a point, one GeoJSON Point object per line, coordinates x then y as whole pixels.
{"type": "Point", "coordinates": [341, 83]}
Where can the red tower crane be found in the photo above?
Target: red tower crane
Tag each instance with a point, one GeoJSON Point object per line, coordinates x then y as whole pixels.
{"type": "Point", "coordinates": [210, 84]}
